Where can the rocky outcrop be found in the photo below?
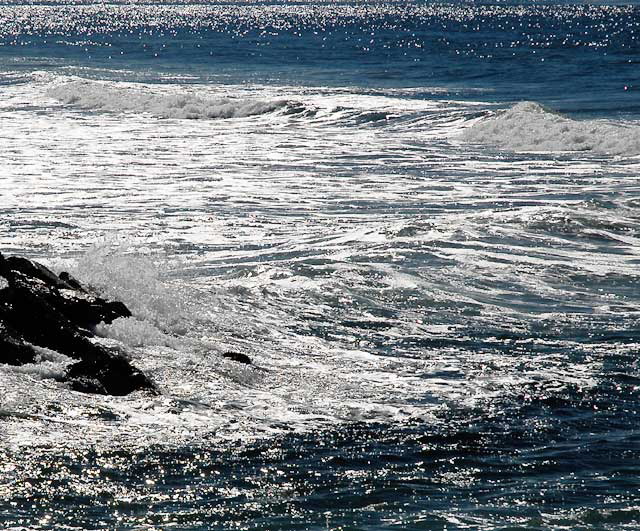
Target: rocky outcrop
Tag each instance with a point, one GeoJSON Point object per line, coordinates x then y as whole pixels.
{"type": "Point", "coordinates": [38, 307]}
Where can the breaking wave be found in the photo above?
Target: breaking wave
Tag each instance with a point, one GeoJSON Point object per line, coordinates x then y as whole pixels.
{"type": "Point", "coordinates": [95, 95]}
{"type": "Point", "coordinates": [528, 126]}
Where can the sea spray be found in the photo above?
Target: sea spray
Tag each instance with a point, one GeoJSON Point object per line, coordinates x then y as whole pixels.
{"type": "Point", "coordinates": [124, 273]}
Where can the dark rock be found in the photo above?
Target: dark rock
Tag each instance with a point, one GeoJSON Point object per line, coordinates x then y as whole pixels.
{"type": "Point", "coordinates": [86, 384]}
{"type": "Point", "coordinates": [39, 308]}
{"type": "Point", "coordinates": [26, 307]}
{"type": "Point", "coordinates": [87, 311]}
{"type": "Point", "coordinates": [14, 351]}
{"type": "Point", "coordinates": [237, 356]}
{"type": "Point", "coordinates": [81, 308]}
{"type": "Point", "coordinates": [69, 280]}
{"type": "Point", "coordinates": [16, 264]}
{"type": "Point", "coordinates": [107, 375]}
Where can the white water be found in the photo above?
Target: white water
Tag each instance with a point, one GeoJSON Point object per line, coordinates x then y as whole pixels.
{"type": "Point", "coordinates": [103, 96]}
{"type": "Point", "coordinates": [528, 126]}
{"type": "Point", "coordinates": [325, 248]}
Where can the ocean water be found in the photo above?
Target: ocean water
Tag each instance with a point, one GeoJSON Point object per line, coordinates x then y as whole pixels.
{"type": "Point", "coordinates": [420, 220]}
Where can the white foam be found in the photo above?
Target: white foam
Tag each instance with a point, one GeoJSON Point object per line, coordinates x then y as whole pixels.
{"type": "Point", "coordinates": [279, 243]}
{"type": "Point", "coordinates": [527, 126]}
{"type": "Point", "coordinates": [3, 283]}
{"type": "Point", "coordinates": [134, 333]}
{"type": "Point", "coordinates": [48, 364]}
{"type": "Point", "coordinates": [121, 273]}
{"type": "Point", "coordinates": [105, 96]}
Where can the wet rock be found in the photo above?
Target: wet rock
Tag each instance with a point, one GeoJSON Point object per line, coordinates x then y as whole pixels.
{"type": "Point", "coordinates": [37, 307]}
{"type": "Point", "coordinates": [13, 265]}
{"type": "Point", "coordinates": [237, 356]}
{"type": "Point", "coordinates": [34, 281]}
{"type": "Point", "coordinates": [14, 351]}
{"type": "Point", "coordinates": [106, 374]}
{"type": "Point", "coordinates": [70, 281]}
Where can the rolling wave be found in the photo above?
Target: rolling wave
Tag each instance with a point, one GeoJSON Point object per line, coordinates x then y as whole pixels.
{"type": "Point", "coordinates": [101, 96]}
{"type": "Point", "coordinates": [528, 126]}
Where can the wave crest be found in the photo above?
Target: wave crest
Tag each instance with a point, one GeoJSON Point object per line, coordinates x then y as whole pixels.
{"type": "Point", "coordinates": [528, 126]}
{"type": "Point", "coordinates": [95, 95]}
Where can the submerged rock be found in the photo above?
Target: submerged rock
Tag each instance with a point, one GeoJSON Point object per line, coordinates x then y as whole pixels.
{"type": "Point", "coordinates": [237, 356]}
{"type": "Point", "coordinates": [112, 375]}
{"type": "Point", "coordinates": [38, 307]}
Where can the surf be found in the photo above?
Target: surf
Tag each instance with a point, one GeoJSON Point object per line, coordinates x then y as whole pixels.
{"type": "Point", "coordinates": [529, 126]}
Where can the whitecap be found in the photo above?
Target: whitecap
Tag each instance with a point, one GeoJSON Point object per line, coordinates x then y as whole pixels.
{"type": "Point", "coordinates": [106, 96]}
{"type": "Point", "coordinates": [528, 126]}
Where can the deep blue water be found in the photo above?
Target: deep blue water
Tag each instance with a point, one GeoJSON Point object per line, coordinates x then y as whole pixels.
{"type": "Point", "coordinates": [577, 57]}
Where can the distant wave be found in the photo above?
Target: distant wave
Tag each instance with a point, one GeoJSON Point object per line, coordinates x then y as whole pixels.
{"type": "Point", "coordinates": [94, 95]}
{"type": "Point", "coordinates": [528, 126]}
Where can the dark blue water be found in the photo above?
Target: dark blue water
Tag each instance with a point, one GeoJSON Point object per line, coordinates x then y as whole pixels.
{"type": "Point", "coordinates": [581, 58]}
{"type": "Point", "coordinates": [551, 458]}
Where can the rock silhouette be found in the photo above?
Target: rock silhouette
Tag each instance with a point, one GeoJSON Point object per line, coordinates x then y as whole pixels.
{"type": "Point", "coordinates": [39, 308]}
{"type": "Point", "coordinates": [237, 356]}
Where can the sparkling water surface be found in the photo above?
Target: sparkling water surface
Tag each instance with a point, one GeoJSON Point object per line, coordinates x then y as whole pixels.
{"type": "Point", "coordinates": [421, 221]}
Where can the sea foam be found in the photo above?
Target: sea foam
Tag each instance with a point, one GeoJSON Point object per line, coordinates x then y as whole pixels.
{"type": "Point", "coordinates": [120, 273]}
{"type": "Point", "coordinates": [104, 96]}
{"type": "Point", "coordinates": [528, 126]}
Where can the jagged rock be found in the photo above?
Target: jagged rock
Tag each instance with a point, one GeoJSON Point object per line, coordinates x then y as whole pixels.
{"type": "Point", "coordinates": [30, 279]}
{"type": "Point", "coordinates": [69, 280]}
{"type": "Point", "coordinates": [15, 264]}
{"type": "Point", "coordinates": [237, 356]}
{"type": "Point", "coordinates": [37, 307]}
{"type": "Point", "coordinates": [14, 351]}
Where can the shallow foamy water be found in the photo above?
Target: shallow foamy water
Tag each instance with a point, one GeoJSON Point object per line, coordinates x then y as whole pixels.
{"type": "Point", "coordinates": [357, 277]}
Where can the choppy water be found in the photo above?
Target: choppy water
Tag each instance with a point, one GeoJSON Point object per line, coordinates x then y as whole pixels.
{"type": "Point", "coordinates": [421, 221]}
